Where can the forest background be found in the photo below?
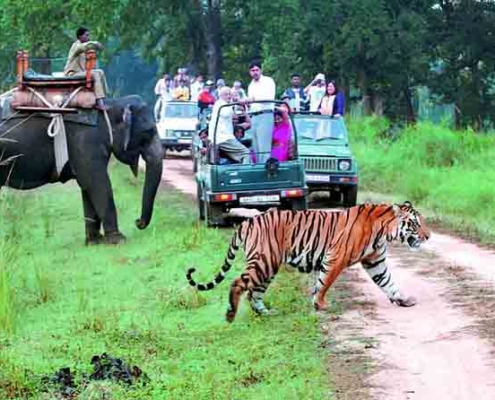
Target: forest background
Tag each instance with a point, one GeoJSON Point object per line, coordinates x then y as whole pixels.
{"type": "Point", "coordinates": [391, 57]}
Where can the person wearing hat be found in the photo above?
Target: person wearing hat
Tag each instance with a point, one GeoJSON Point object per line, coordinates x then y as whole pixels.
{"type": "Point", "coordinates": [315, 91]}
{"type": "Point", "coordinates": [261, 88]}
{"type": "Point", "coordinates": [205, 98]}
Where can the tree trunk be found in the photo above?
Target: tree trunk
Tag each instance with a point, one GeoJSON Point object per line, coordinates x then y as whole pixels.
{"type": "Point", "coordinates": [363, 86]}
{"type": "Point", "coordinates": [345, 88]}
{"type": "Point", "coordinates": [376, 103]}
{"type": "Point", "coordinates": [196, 29]}
{"type": "Point", "coordinates": [410, 115]}
{"type": "Point", "coordinates": [457, 116]}
{"type": "Point", "coordinates": [213, 37]}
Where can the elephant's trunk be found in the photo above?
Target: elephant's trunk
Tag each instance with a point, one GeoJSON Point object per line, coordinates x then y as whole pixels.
{"type": "Point", "coordinates": [153, 156]}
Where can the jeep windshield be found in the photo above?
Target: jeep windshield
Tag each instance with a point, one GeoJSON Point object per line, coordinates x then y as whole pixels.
{"type": "Point", "coordinates": [180, 110]}
{"type": "Point", "coordinates": [270, 135]}
{"type": "Point", "coordinates": [318, 129]}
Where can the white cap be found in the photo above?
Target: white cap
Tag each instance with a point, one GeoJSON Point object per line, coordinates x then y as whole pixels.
{"type": "Point", "coordinates": [320, 77]}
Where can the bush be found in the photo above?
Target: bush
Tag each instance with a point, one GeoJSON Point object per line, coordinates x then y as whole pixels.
{"type": "Point", "coordinates": [448, 171]}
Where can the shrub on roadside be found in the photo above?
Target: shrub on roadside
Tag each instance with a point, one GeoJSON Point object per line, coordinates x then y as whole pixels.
{"type": "Point", "coordinates": [450, 172]}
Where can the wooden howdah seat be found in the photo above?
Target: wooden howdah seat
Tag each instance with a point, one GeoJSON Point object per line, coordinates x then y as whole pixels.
{"type": "Point", "coordinates": [56, 90]}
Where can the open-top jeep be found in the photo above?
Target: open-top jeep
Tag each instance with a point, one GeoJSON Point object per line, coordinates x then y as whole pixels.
{"type": "Point", "coordinates": [323, 144]}
{"type": "Point", "coordinates": [263, 183]}
{"type": "Point", "coordinates": [177, 124]}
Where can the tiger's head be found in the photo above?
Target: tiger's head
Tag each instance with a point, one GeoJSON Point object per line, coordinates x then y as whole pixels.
{"type": "Point", "coordinates": [412, 226]}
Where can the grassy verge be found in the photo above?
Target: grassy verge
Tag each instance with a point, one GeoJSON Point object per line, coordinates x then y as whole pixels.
{"type": "Point", "coordinates": [450, 173]}
{"type": "Point", "coordinates": [61, 303]}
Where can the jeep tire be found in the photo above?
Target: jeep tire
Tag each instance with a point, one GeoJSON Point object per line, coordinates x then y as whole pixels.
{"type": "Point", "coordinates": [213, 214]}
{"type": "Point", "coordinates": [299, 204]}
{"type": "Point", "coordinates": [350, 196]}
{"type": "Point", "coordinates": [201, 202]}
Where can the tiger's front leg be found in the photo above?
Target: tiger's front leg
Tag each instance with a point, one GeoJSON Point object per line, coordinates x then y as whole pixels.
{"type": "Point", "coordinates": [381, 275]}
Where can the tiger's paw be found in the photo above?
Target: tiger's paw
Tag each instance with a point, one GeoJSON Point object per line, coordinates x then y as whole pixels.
{"type": "Point", "coordinates": [320, 305]}
{"type": "Point", "coordinates": [266, 312]}
{"type": "Point", "coordinates": [230, 315]}
{"type": "Point", "coordinates": [405, 302]}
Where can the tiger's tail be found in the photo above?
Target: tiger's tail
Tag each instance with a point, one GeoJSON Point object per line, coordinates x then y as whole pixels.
{"type": "Point", "coordinates": [227, 264]}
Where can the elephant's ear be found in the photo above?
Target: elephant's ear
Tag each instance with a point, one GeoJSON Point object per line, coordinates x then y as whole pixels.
{"type": "Point", "coordinates": [127, 119]}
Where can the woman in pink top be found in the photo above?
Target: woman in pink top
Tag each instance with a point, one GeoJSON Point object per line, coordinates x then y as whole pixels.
{"type": "Point", "coordinates": [282, 135]}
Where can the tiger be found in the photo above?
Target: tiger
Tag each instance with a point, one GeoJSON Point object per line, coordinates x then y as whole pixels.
{"type": "Point", "coordinates": [325, 242]}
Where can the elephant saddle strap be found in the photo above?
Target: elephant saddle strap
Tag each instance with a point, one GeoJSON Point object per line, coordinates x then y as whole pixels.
{"type": "Point", "coordinates": [56, 128]}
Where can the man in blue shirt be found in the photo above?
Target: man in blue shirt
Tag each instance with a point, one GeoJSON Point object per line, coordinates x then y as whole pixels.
{"type": "Point", "coordinates": [296, 95]}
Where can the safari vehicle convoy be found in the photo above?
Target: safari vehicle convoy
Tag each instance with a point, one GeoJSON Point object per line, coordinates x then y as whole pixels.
{"type": "Point", "coordinates": [177, 124]}
{"type": "Point", "coordinates": [264, 182]}
{"type": "Point", "coordinates": [323, 145]}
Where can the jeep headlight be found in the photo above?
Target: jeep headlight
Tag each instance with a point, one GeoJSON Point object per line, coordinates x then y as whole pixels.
{"type": "Point", "coordinates": [169, 133]}
{"type": "Point", "coordinates": [344, 165]}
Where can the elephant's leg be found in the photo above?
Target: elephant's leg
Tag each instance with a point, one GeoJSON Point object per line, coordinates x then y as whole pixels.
{"type": "Point", "coordinates": [100, 195]}
{"type": "Point", "coordinates": [91, 220]}
{"type": "Point", "coordinates": [89, 154]}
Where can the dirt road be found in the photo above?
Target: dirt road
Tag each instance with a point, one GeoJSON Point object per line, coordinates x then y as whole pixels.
{"type": "Point", "coordinates": [443, 348]}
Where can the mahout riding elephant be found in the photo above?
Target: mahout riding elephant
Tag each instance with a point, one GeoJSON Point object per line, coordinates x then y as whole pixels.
{"type": "Point", "coordinates": [89, 150]}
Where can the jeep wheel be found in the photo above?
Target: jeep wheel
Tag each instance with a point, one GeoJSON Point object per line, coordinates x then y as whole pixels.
{"type": "Point", "coordinates": [201, 203]}
{"type": "Point", "coordinates": [335, 197]}
{"type": "Point", "coordinates": [350, 196]}
{"type": "Point", "coordinates": [213, 214]}
{"type": "Point", "coordinates": [299, 204]}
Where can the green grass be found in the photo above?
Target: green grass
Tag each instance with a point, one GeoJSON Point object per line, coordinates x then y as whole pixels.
{"type": "Point", "coordinates": [61, 303]}
{"type": "Point", "coordinates": [450, 174]}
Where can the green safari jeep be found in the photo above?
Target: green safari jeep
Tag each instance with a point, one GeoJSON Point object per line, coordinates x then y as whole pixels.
{"type": "Point", "coordinates": [223, 184]}
{"type": "Point", "coordinates": [323, 145]}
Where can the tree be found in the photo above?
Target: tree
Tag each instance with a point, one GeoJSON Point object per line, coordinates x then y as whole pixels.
{"type": "Point", "coordinates": [464, 32]}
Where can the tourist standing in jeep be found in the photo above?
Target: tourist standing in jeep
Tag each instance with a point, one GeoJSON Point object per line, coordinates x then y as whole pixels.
{"type": "Point", "coordinates": [261, 88]}
{"type": "Point", "coordinates": [295, 94]}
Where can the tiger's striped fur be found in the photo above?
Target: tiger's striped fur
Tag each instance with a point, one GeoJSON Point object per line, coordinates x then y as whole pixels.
{"type": "Point", "coordinates": [322, 241]}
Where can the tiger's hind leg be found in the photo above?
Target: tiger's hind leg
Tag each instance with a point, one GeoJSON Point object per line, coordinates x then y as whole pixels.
{"type": "Point", "coordinates": [256, 298]}
{"type": "Point", "coordinates": [239, 286]}
{"type": "Point", "coordinates": [381, 275]}
{"type": "Point", "coordinates": [254, 280]}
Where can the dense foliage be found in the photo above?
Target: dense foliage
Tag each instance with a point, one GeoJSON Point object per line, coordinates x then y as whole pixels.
{"type": "Point", "coordinates": [449, 173]}
{"type": "Point", "coordinates": [381, 49]}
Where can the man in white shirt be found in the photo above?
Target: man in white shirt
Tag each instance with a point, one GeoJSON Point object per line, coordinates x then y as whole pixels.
{"type": "Point", "coordinates": [315, 91]}
{"type": "Point", "coordinates": [196, 87]}
{"type": "Point", "coordinates": [225, 138]}
{"type": "Point", "coordinates": [261, 88]}
{"type": "Point", "coordinates": [164, 94]}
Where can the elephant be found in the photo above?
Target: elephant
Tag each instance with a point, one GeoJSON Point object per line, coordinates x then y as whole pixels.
{"type": "Point", "coordinates": [32, 164]}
